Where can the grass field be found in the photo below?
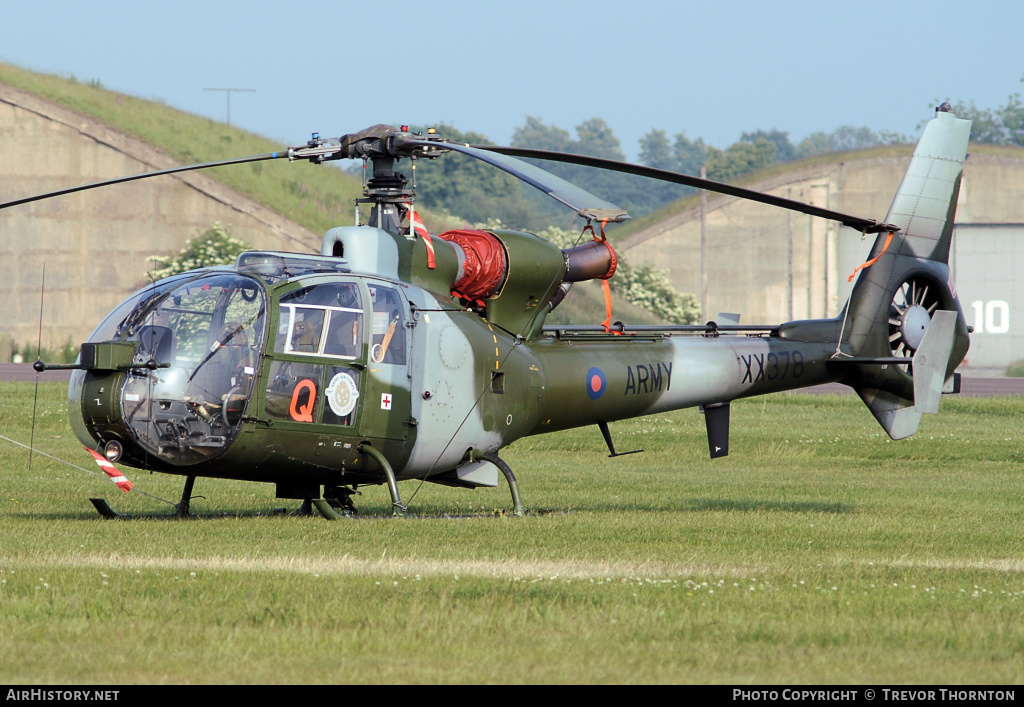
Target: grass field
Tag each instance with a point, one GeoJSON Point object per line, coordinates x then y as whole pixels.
{"type": "Point", "coordinates": [817, 552]}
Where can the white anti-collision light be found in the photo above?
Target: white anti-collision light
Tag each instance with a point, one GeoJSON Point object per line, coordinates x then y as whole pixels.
{"type": "Point", "coordinates": [112, 450]}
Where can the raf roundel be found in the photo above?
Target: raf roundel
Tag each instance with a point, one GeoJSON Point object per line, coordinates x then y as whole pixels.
{"type": "Point", "coordinates": [596, 383]}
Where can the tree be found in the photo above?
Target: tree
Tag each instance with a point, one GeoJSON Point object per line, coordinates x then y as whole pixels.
{"type": "Point", "coordinates": [986, 125]}
{"type": "Point", "coordinates": [738, 159]}
{"type": "Point", "coordinates": [683, 155]}
{"type": "Point", "coordinates": [1012, 117]}
{"type": "Point", "coordinates": [595, 138]}
{"type": "Point", "coordinates": [999, 126]}
{"type": "Point", "coordinates": [656, 150]}
{"type": "Point", "coordinates": [847, 137]}
{"type": "Point", "coordinates": [816, 143]}
{"type": "Point", "coordinates": [649, 287]}
{"type": "Point", "coordinates": [784, 149]}
{"type": "Point", "coordinates": [690, 156]}
{"type": "Point", "coordinates": [541, 137]}
{"type": "Point", "coordinates": [843, 138]}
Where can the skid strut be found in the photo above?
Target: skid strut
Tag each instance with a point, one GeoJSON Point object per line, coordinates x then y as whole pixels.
{"type": "Point", "coordinates": [518, 509]}
{"type": "Point", "coordinates": [181, 510]}
{"type": "Point", "coordinates": [398, 508]}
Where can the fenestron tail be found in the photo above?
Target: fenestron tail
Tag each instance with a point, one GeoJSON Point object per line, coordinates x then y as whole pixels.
{"type": "Point", "coordinates": [897, 298]}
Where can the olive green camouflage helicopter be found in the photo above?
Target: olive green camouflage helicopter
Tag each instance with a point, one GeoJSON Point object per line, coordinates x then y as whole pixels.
{"type": "Point", "coordinates": [394, 355]}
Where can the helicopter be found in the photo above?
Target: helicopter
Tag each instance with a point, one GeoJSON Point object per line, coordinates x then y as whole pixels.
{"type": "Point", "coordinates": [396, 355]}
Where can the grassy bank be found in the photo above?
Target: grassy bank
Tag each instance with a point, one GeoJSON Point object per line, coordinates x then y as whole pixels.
{"type": "Point", "coordinates": [317, 197]}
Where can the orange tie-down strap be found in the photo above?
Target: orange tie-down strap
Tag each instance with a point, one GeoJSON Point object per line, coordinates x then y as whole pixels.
{"type": "Point", "coordinates": [607, 324]}
{"type": "Point", "coordinates": [885, 247]}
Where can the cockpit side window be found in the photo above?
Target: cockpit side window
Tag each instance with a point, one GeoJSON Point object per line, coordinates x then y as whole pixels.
{"type": "Point", "coordinates": [321, 320]}
{"type": "Point", "coordinates": [305, 329]}
{"type": "Point", "coordinates": [388, 326]}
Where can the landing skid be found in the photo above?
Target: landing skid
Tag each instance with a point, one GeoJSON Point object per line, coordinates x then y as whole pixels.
{"type": "Point", "coordinates": [329, 510]}
{"type": "Point", "coordinates": [108, 513]}
{"type": "Point", "coordinates": [339, 506]}
{"type": "Point", "coordinates": [104, 509]}
{"type": "Point", "coordinates": [181, 508]}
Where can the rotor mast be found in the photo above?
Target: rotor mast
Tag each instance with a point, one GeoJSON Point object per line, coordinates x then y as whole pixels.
{"type": "Point", "coordinates": [388, 190]}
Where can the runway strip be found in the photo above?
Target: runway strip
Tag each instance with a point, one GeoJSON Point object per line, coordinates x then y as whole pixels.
{"type": "Point", "coordinates": [23, 372]}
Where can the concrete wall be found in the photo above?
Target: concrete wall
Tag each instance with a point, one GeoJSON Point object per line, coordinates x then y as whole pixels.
{"type": "Point", "coordinates": [95, 244]}
{"type": "Point", "coordinates": [770, 265]}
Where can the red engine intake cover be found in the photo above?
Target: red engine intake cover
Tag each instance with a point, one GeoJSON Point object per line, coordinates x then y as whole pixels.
{"type": "Point", "coordinates": [485, 266]}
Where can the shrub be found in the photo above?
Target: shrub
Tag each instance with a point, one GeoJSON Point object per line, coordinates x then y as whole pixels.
{"type": "Point", "coordinates": [214, 246]}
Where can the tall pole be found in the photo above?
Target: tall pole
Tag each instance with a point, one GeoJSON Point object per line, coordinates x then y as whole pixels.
{"type": "Point", "coordinates": [789, 260]}
{"type": "Point", "coordinates": [828, 253]}
{"type": "Point", "coordinates": [704, 248]}
{"type": "Point", "coordinates": [227, 93]}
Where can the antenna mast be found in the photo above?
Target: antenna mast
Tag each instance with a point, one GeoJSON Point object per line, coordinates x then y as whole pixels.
{"type": "Point", "coordinates": [227, 93]}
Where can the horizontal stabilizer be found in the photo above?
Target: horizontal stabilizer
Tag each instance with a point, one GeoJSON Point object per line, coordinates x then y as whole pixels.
{"type": "Point", "coordinates": [931, 360]}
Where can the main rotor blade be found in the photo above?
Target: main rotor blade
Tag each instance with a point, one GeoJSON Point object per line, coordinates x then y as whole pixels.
{"type": "Point", "coordinates": [145, 175]}
{"type": "Point", "coordinates": [579, 200]}
{"type": "Point", "coordinates": [861, 224]}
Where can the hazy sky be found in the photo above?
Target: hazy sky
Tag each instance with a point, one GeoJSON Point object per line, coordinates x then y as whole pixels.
{"type": "Point", "coordinates": [712, 69]}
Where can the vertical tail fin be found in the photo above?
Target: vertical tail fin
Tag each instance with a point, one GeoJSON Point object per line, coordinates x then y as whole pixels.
{"type": "Point", "coordinates": [897, 296]}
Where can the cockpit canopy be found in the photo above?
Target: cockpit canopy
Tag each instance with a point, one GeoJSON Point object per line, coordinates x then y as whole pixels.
{"type": "Point", "coordinates": [205, 333]}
